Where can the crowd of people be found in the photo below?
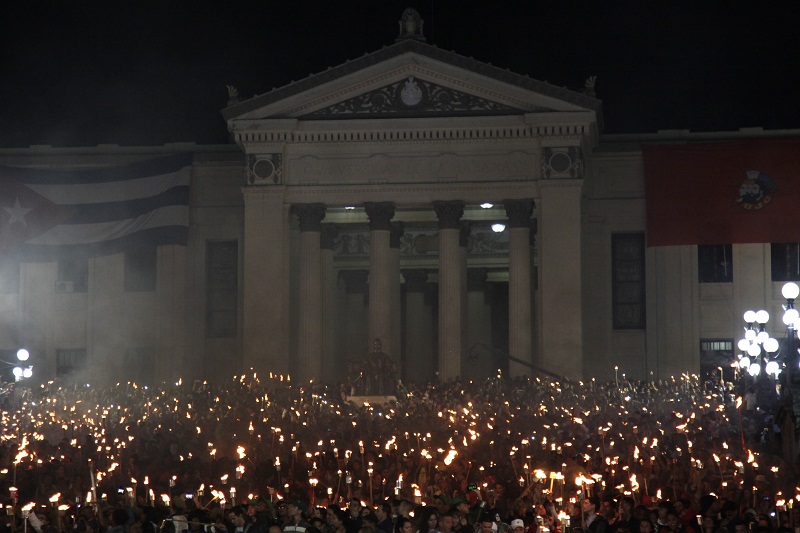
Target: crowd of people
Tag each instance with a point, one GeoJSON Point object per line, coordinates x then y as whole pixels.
{"type": "Point", "coordinates": [266, 455]}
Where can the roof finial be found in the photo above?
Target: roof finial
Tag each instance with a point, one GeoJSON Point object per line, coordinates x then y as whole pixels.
{"type": "Point", "coordinates": [410, 26]}
{"type": "Point", "coordinates": [233, 95]}
{"type": "Point", "coordinates": [588, 86]}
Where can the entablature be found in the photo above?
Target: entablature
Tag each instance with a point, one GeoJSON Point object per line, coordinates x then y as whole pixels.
{"type": "Point", "coordinates": [553, 129]}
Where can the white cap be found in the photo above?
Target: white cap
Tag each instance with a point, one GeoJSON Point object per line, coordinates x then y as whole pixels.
{"type": "Point", "coordinates": [517, 523]}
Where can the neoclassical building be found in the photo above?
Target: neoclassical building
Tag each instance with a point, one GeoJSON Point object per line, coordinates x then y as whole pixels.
{"type": "Point", "coordinates": [471, 218]}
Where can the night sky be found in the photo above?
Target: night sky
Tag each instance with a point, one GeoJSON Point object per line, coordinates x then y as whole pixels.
{"type": "Point", "coordinates": [81, 73]}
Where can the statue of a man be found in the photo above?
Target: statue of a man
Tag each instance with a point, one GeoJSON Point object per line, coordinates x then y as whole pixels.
{"type": "Point", "coordinates": [378, 371]}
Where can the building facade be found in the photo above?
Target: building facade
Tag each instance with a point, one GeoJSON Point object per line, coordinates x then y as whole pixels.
{"type": "Point", "coordinates": [361, 203]}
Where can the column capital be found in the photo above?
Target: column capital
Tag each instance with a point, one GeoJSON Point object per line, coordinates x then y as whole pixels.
{"type": "Point", "coordinates": [519, 212]}
{"type": "Point", "coordinates": [380, 215]}
{"type": "Point", "coordinates": [449, 213]}
{"type": "Point", "coordinates": [396, 233]}
{"type": "Point", "coordinates": [328, 234]}
{"type": "Point", "coordinates": [309, 215]}
{"type": "Point", "coordinates": [416, 279]}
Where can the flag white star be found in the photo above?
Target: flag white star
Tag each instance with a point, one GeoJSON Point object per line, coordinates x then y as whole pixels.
{"type": "Point", "coordinates": [17, 213]}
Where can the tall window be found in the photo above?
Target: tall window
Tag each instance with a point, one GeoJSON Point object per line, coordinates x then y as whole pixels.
{"type": "Point", "coordinates": [140, 270]}
{"type": "Point", "coordinates": [69, 361]}
{"type": "Point", "coordinates": [73, 275]}
{"type": "Point", "coordinates": [785, 261]}
{"type": "Point", "coordinates": [714, 263]}
{"type": "Point", "coordinates": [222, 281]}
{"type": "Point", "coordinates": [628, 280]}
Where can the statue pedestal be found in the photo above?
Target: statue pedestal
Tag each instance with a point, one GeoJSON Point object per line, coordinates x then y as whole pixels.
{"type": "Point", "coordinates": [372, 400]}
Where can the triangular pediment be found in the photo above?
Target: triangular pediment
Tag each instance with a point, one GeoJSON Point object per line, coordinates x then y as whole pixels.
{"type": "Point", "coordinates": [411, 79]}
{"type": "Point", "coordinates": [413, 97]}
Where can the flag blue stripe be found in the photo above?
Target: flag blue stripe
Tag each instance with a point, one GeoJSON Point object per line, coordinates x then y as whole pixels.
{"type": "Point", "coordinates": [89, 213]}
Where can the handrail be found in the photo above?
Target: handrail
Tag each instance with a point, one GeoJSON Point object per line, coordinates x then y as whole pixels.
{"type": "Point", "coordinates": [500, 354]}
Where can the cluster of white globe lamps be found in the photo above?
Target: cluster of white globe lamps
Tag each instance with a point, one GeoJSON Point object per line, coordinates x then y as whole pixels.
{"type": "Point", "coordinates": [21, 372]}
{"type": "Point", "coordinates": [758, 345]}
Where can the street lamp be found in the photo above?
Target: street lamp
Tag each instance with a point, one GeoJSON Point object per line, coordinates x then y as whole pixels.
{"type": "Point", "coordinates": [759, 349]}
{"type": "Point", "coordinates": [22, 372]}
{"type": "Point", "coordinates": [791, 317]}
{"type": "Point", "coordinates": [757, 346]}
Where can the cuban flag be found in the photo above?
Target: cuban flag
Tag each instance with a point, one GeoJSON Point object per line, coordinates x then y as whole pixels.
{"type": "Point", "coordinates": [722, 192]}
{"type": "Point", "coordinates": [50, 214]}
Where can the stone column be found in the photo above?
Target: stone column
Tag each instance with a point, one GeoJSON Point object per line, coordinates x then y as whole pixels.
{"type": "Point", "coordinates": [536, 354]}
{"type": "Point", "coordinates": [479, 355]}
{"type": "Point", "coordinates": [450, 310]}
{"type": "Point", "coordinates": [463, 239]}
{"type": "Point", "coordinates": [519, 286]}
{"type": "Point", "coordinates": [395, 234]}
{"type": "Point", "coordinates": [265, 335]}
{"type": "Point", "coordinates": [309, 345]}
{"type": "Point", "coordinates": [380, 283]}
{"type": "Point", "coordinates": [420, 356]}
{"type": "Point", "coordinates": [559, 240]}
{"type": "Point", "coordinates": [330, 305]}
{"type": "Point", "coordinates": [353, 334]}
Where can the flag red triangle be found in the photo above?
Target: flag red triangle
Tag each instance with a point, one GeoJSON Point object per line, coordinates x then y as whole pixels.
{"type": "Point", "coordinates": [25, 214]}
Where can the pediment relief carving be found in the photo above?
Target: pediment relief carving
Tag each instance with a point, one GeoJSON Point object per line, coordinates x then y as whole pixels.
{"type": "Point", "coordinates": [413, 97]}
{"type": "Point", "coordinates": [353, 242]}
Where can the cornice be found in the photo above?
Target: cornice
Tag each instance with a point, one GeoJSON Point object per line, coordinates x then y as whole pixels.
{"type": "Point", "coordinates": [411, 135]}
{"type": "Point", "coordinates": [575, 127]}
{"type": "Point", "coordinates": [424, 50]}
{"type": "Point", "coordinates": [413, 194]}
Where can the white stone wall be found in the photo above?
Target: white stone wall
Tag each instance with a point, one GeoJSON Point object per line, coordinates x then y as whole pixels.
{"type": "Point", "coordinates": [573, 269]}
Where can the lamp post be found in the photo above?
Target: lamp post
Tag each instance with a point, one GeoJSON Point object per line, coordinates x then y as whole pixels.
{"type": "Point", "coordinates": [760, 351]}
{"type": "Point", "coordinates": [20, 371]}
{"type": "Point", "coordinates": [791, 317]}
{"type": "Point", "coordinates": [758, 347]}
